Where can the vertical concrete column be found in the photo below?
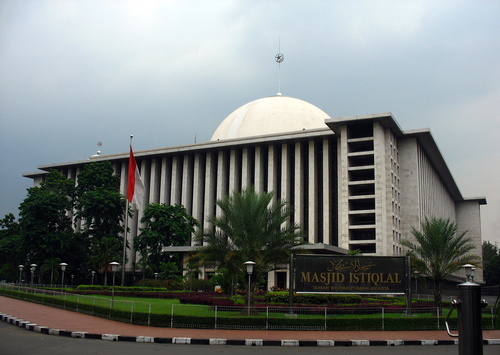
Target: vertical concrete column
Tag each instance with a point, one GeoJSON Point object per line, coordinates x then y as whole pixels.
{"type": "Point", "coordinates": [409, 186]}
{"type": "Point", "coordinates": [246, 168]}
{"type": "Point", "coordinates": [259, 169]}
{"type": "Point", "coordinates": [187, 183]}
{"type": "Point", "coordinates": [234, 171]}
{"type": "Point", "coordinates": [145, 176]}
{"type": "Point", "coordinates": [299, 185]}
{"type": "Point", "coordinates": [272, 174]}
{"type": "Point", "coordinates": [343, 187]}
{"type": "Point", "coordinates": [198, 189]}
{"type": "Point", "coordinates": [166, 180]}
{"type": "Point", "coordinates": [210, 187]}
{"type": "Point", "coordinates": [383, 197]}
{"type": "Point", "coordinates": [176, 180]}
{"type": "Point", "coordinates": [327, 220]}
{"type": "Point", "coordinates": [154, 182]}
{"type": "Point", "coordinates": [116, 168]}
{"type": "Point", "coordinates": [285, 173]}
{"type": "Point", "coordinates": [313, 194]}
{"type": "Point", "coordinates": [222, 179]}
{"type": "Point", "coordinates": [123, 179]}
{"type": "Point", "coordinates": [271, 278]}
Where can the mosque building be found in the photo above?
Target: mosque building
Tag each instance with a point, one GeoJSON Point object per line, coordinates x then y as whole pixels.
{"type": "Point", "coordinates": [355, 183]}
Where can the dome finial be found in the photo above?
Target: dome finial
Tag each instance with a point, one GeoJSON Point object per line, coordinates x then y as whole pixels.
{"type": "Point", "coordinates": [279, 58]}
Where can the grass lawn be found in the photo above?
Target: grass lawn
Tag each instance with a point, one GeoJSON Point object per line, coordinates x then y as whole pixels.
{"type": "Point", "coordinates": [165, 306]}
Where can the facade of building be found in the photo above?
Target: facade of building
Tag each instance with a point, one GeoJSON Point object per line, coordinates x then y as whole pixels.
{"type": "Point", "coordinates": [355, 183]}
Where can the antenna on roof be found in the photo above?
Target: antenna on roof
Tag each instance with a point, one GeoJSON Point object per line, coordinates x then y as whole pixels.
{"type": "Point", "coordinates": [279, 58]}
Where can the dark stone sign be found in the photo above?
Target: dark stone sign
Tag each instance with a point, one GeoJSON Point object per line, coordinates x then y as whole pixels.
{"type": "Point", "coordinates": [350, 274]}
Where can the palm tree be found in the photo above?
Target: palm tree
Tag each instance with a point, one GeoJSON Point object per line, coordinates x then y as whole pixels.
{"type": "Point", "coordinates": [438, 251]}
{"type": "Point", "coordinates": [250, 227]}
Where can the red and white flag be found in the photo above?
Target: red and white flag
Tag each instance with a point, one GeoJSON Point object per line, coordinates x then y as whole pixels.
{"type": "Point", "coordinates": [135, 186]}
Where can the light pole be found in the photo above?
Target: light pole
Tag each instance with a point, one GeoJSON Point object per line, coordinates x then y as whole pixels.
{"type": "Point", "coordinates": [114, 268]}
{"type": "Point", "coordinates": [93, 274]}
{"type": "Point", "coordinates": [21, 267]}
{"type": "Point", "coordinates": [63, 269]}
{"type": "Point", "coordinates": [416, 273]}
{"type": "Point", "coordinates": [156, 276]}
{"type": "Point", "coordinates": [469, 303]}
{"type": "Point", "coordinates": [32, 269]}
{"type": "Point", "coordinates": [249, 265]}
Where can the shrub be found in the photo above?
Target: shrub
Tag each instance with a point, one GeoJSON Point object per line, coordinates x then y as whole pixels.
{"type": "Point", "coordinates": [170, 285]}
{"type": "Point", "coordinates": [198, 285]}
{"type": "Point", "coordinates": [238, 300]}
{"type": "Point", "coordinates": [315, 299]}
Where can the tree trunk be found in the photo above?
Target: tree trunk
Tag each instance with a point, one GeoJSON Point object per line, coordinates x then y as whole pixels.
{"type": "Point", "coordinates": [438, 287]}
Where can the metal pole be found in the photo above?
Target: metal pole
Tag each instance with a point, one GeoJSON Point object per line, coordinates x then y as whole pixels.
{"type": "Point", "coordinates": [125, 232]}
{"type": "Point", "coordinates": [248, 304]}
{"type": "Point", "coordinates": [408, 286]}
{"type": "Point", "coordinates": [290, 283]}
{"type": "Point", "coordinates": [470, 331]}
{"type": "Point", "coordinates": [21, 267]}
{"type": "Point", "coordinates": [113, 290]}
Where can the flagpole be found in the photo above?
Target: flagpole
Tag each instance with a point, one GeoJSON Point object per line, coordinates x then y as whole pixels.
{"type": "Point", "coordinates": [124, 251]}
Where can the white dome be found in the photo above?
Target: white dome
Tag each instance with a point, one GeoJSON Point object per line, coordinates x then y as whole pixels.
{"type": "Point", "coordinates": [270, 115]}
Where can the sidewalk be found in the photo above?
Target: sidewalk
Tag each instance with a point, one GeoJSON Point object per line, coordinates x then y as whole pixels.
{"type": "Point", "coordinates": [56, 321]}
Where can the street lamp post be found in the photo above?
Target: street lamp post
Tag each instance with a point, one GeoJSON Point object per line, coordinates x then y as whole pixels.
{"type": "Point", "coordinates": [63, 269]}
{"type": "Point", "coordinates": [249, 265]}
{"type": "Point", "coordinates": [21, 267]}
{"type": "Point", "coordinates": [93, 274]}
{"type": "Point", "coordinates": [416, 273]}
{"type": "Point", "coordinates": [469, 303]}
{"type": "Point", "coordinates": [156, 276]}
{"type": "Point", "coordinates": [32, 269]}
{"type": "Point", "coordinates": [114, 268]}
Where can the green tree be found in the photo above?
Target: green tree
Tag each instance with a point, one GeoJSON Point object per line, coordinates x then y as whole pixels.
{"type": "Point", "coordinates": [438, 251]}
{"type": "Point", "coordinates": [101, 208]}
{"type": "Point", "coordinates": [251, 227]}
{"type": "Point", "coordinates": [165, 225]}
{"type": "Point", "coordinates": [45, 222]}
{"type": "Point", "coordinates": [10, 248]}
{"type": "Point", "coordinates": [491, 264]}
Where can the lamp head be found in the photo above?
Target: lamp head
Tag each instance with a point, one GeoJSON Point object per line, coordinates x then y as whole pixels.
{"type": "Point", "coordinates": [63, 266]}
{"type": "Point", "coordinates": [114, 266]}
{"type": "Point", "coordinates": [468, 270]}
{"type": "Point", "coordinates": [249, 265]}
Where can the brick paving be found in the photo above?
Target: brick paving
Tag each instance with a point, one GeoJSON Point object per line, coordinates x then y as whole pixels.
{"type": "Point", "coordinates": [56, 318]}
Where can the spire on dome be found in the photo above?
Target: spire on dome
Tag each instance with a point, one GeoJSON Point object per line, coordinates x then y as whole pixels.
{"type": "Point", "coordinates": [279, 58]}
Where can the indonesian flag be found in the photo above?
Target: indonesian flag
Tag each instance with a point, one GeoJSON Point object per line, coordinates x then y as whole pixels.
{"type": "Point", "coordinates": [135, 186]}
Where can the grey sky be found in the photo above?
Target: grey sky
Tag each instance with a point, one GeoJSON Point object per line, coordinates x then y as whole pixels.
{"type": "Point", "coordinates": [73, 73]}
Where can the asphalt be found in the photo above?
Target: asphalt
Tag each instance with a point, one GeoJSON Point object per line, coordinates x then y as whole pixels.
{"type": "Point", "coordinates": [55, 321]}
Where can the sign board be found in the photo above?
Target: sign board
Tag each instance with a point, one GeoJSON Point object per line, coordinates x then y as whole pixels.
{"type": "Point", "coordinates": [350, 274]}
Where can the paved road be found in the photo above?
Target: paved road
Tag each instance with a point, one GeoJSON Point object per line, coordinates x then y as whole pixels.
{"type": "Point", "coordinates": [15, 341]}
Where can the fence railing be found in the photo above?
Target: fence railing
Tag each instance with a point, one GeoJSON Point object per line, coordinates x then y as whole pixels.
{"type": "Point", "coordinates": [178, 315]}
